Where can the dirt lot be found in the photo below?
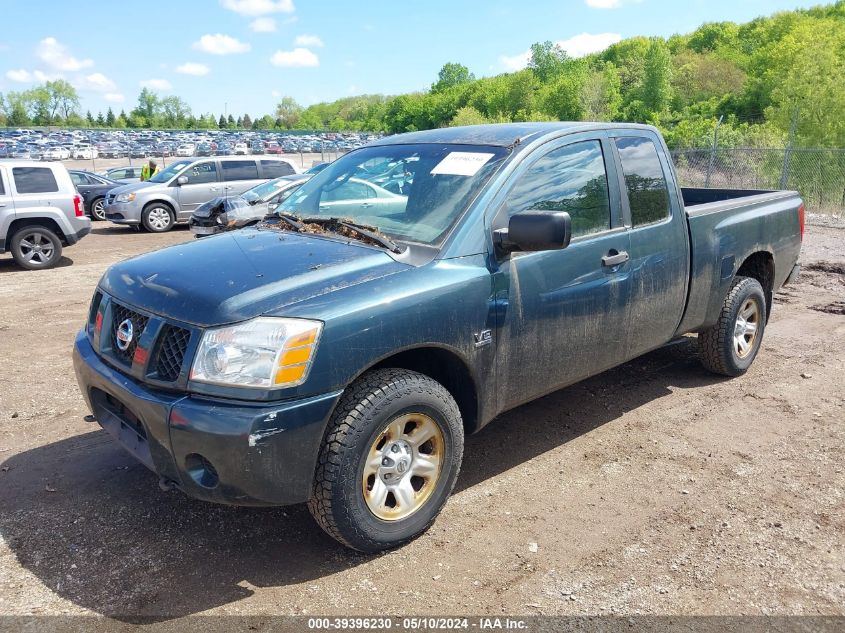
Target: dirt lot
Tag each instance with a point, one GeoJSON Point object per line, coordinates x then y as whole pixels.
{"type": "Point", "coordinates": [653, 488]}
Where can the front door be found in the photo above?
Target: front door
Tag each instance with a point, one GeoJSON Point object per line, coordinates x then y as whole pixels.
{"type": "Point", "coordinates": [564, 316]}
{"type": "Point", "coordinates": [201, 187]}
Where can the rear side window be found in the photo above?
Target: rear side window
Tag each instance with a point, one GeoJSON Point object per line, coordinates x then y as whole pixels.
{"type": "Point", "coordinates": [648, 195]}
{"type": "Point", "coordinates": [201, 173]}
{"type": "Point", "coordinates": [571, 179]}
{"type": "Point", "coordinates": [2, 186]}
{"type": "Point", "coordinates": [276, 168]}
{"type": "Point", "coordinates": [239, 170]}
{"type": "Point", "coordinates": [34, 180]}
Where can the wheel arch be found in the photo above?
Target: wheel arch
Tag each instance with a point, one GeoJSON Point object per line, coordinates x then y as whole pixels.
{"type": "Point", "coordinates": [47, 223]}
{"type": "Point", "coordinates": [760, 265]}
{"type": "Point", "coordinates": [446, 367]}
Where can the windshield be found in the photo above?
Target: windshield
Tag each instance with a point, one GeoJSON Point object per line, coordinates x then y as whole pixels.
{"type": "Point", "coordinates": [265, 190]}
{"type": "Point", "coordinates": [409, 192]}
{"type": "Point", "coordinates": [174, 168]}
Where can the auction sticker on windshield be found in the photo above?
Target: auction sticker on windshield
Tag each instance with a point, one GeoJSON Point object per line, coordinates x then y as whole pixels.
{"type": "Point", "coordinates": [461, 164]}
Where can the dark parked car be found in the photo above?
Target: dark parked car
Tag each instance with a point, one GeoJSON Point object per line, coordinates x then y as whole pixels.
{"type": "Point", "coordinates": [235, 212]}
{"type": "Point", "coordinates": [93, 189]}
{"type": "Point", "coordinates": [139, 151]}
{"type": "Point", "coordinates": [340, 359]}
{"type": "Point", "coordinates": [204, 149]}
{"type": "Point", "coordinates": [256, 147]}
{"type": "Point", "coordinates": [224, 149]}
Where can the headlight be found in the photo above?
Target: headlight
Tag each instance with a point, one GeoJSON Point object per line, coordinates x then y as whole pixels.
{"type": "Point", "coordinates": [263, 353]}
{"type": "Point", "coordinates": [125, 197]}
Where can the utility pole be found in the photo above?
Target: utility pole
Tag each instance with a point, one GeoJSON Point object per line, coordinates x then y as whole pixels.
{"type": "Point", "coordinates": [787, 154]}
{"type": "Point", "coordinates": [713, 151]}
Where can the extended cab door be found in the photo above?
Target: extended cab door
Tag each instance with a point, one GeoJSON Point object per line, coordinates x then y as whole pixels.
{"type": "Point", "coordinates": [659, 248]}
{"type": "Point", "coordinates": [565, 310]}
{"type": "Point", "coordinates": [201, 187]}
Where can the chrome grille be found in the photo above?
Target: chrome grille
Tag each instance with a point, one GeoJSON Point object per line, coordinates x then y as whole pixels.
{"type": "Point", "coordinates": [139, 323]}
{"type": "Point", "coordinates": [171, 353]}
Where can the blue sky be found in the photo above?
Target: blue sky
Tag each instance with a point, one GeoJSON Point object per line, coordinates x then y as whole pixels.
{"type": "Point", "coordinates": [242, 55]}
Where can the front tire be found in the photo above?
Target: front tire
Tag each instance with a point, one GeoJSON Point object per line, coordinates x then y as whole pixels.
{"type": "Point", "coordinates": [389, 460]}
{"type": "Point", "coordinates": [98, 209]}
{"type": "Point", "coordinates": [158, 217]}
{"type": "Point", "coordinates": [36, 248]}
{"type": "Point", "coordinates": [731, 345]}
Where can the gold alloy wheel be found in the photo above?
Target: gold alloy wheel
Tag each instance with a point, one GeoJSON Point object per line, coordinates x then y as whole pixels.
{"type": "Point", "coordinates": [745, 329]}
{"type": "Point", "coordinates": [403, 466]}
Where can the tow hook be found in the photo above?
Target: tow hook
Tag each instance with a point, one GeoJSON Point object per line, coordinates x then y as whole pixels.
{"type": "Point", "coordinates": [90, 418]}
{"type": "Point", "coordinates": [166, 484]}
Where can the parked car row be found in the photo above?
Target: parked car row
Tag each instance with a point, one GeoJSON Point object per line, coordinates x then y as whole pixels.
{"type": "Point", "coordinates": [98, 143]}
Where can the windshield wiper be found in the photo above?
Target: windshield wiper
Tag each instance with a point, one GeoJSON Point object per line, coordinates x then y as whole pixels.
{"type": "Point", "coordinates": [292, 221]}
{"type": "Point", "coordinates": [369, 233]}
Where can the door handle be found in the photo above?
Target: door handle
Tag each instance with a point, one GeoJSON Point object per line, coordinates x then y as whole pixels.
{"type": "Point", "coordinates": [614, 258]}
{"type": "Point", "coordinates": [212, 188]}
{"type": "Point", "coordinates": [227, 187]}
{"type": "Point", "coordinates": [366, 205]}
{"type": "Point", "coordinates": [2, 204]}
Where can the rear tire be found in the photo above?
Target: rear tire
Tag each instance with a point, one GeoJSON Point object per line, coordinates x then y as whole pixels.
{"type": "Point", "coordinates": [731, 345]}
{"type": "Point", "coordinates": [158, 217]}
{"type": "Point", "coordinates": [389, 460]}
{"type": "Point", "coordinates": [36, 248]}
{"type": "Point", "coordinates": [98, 209]}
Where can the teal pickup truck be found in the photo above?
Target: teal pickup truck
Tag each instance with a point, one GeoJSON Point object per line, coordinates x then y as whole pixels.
{"type": "Point", "coordinates": [337, 352]}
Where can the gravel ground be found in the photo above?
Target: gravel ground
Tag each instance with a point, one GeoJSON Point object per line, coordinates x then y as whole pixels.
{"type": "Point", "coordinates": [654, 488]}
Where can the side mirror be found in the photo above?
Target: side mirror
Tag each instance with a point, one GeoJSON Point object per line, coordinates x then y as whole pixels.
{"type": "Point", "coordinates": [535, 231]}
{"type": "Point", "coordinates": [182, 180]}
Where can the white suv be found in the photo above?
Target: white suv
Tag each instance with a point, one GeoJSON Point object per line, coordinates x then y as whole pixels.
{"type": "Point", "coordinates": [40, 212]}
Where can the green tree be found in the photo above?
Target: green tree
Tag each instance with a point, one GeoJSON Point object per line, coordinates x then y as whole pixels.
{"type": "Point", "coordinates": [246, 122]}
{"type": "Point", "coordinates": [63, 98]}
{"type": "Point", "coordinates": [221, 123]}
{"type": "Point", "coordinates": [101, 120]}
{"type": "Point", "coordinates": [174, 111]}
{"type": "Point", "coordinates": [239, 123]}
{"type": "Point", "coordinates": [451, 75]}
{"type": "Point", "coordinates": [264, 123]}
{"type": "Point", "coordinates": [468, 116]}
{"type": "Point", "coordinates": [656, 93]}
{"type": "Point", "coordinates": [289, 111]}
{"type": "Point", "coordinates": [547, 60]}
{"type": "Point", "coordinates": [148, 107]}
{"type": "Point", "coordinates": [110, 118]}
{"type": "Point", "coordinates": [230, 122]}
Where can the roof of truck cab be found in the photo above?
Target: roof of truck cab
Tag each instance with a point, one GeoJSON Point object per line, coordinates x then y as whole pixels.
{"type": "Point", "coordinates": [500, 134]}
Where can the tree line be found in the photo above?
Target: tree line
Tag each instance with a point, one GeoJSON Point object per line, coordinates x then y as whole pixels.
{"type": "Point", "coordinates": [763, 80]}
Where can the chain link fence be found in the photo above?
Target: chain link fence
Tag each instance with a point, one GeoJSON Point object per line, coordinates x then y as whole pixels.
{"type": "Point", "coordinates": [818, 174]}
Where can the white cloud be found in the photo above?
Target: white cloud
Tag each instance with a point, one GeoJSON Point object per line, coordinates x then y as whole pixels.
{"type": "Point", "coordinates": [95, 82]}
{"type": "Point", "coordinates": [192, 68]}
{"type": "Point", "coordinates": [219, 44]}
{"type": "Point", "coordinates": [515, 62]}
{"type": "Point", "coordinates": [297, 58]}
{"type": "Point", "coordinates": [263, 25]}
{"type": "Point", "coordinates": [24, 76]}
{"type": "Point", "coordinates": [20, 75]}
{"type": "Point", "coordinates": [156, 84]}
{"type": "Point", "coordinates": [576, 46]}
{"type": "Point", "coordinates": [258, 7]}
{"type": "Point", "coordinates": [276, 94]}
{"type": "Point", "coordinates": [308, 40]}
{"type": "Point", "coordinates": [114, 97]}
{"type": "Point", "coordinates": [586, 43]}
{"type": "Point", "coordinates": [55, 55]}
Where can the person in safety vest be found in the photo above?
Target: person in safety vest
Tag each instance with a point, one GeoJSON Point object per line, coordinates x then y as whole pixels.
{"type": "Point", "coordinates": [149, 170]}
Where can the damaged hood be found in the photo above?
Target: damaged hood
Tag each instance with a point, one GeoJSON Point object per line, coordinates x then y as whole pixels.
{"type": "Point", "coordinates": [242, 274]}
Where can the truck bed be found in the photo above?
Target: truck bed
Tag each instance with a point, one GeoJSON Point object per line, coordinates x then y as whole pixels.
{"type": "Point", "coordinates": [726, 226]}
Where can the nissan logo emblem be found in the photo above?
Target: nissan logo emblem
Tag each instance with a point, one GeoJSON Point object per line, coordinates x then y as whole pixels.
{"type": "Point", "coordinates": [124, 334]}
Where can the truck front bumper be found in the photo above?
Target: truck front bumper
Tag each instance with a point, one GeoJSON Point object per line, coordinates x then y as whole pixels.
{"type": "Point", "coordinates": [217, 450]}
